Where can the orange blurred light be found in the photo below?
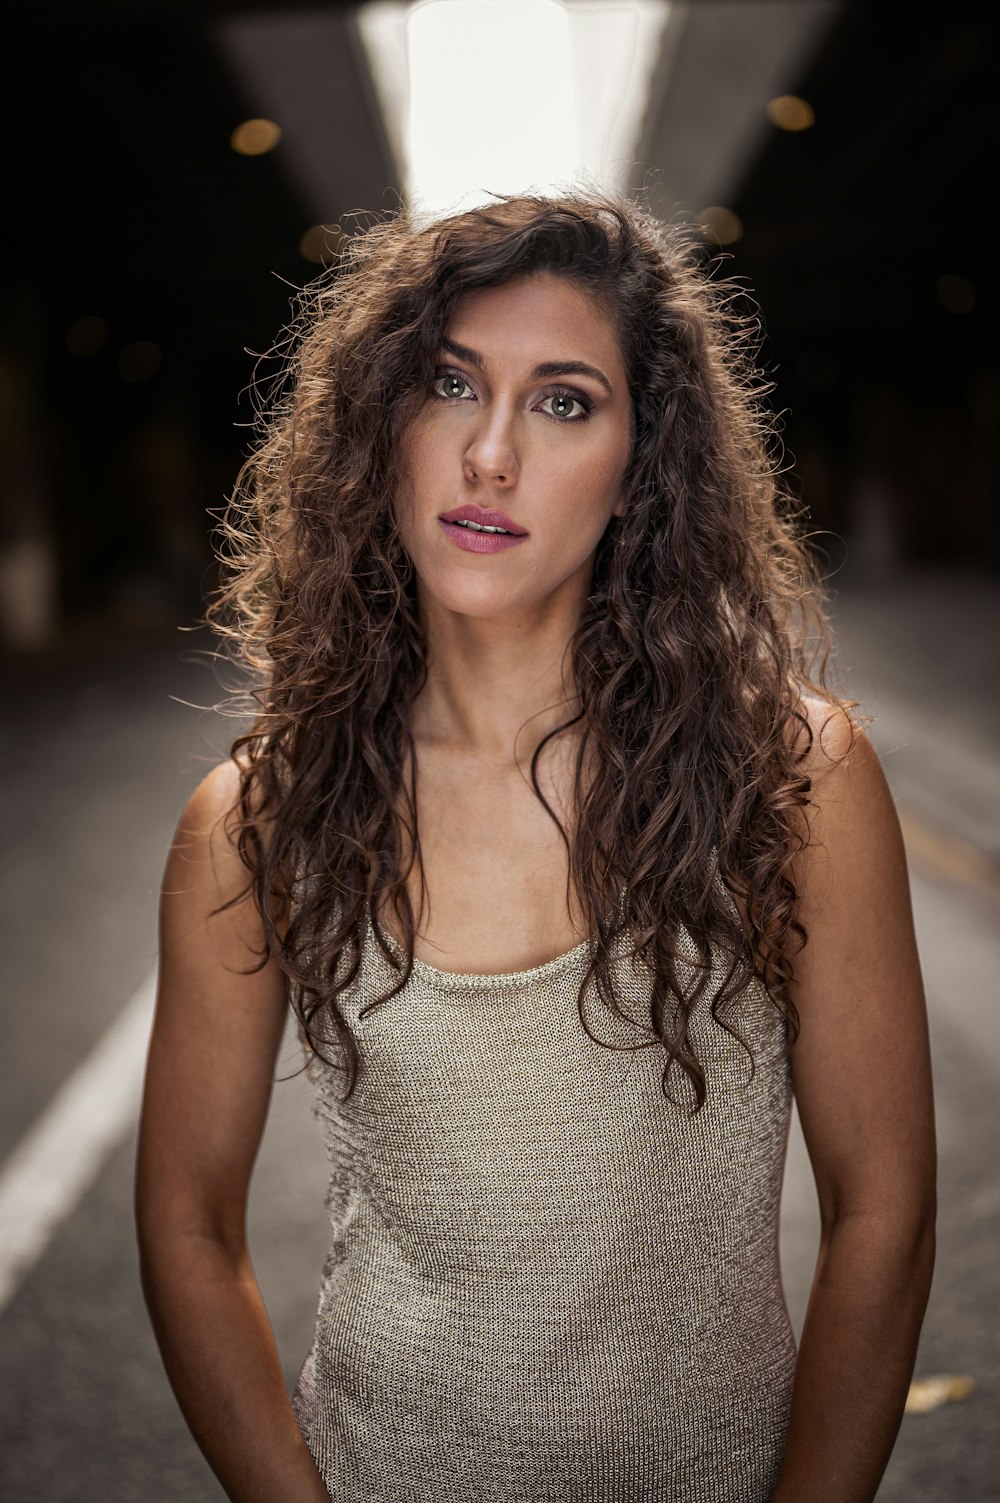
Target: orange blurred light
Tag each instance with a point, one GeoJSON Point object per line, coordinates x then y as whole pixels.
{"type": "Point", "coordinates": [87, 336]}
{"type": "Point", "coordinates": [255, 137]}
{"type": "Point", "coordinates": [721, 225]}
{"type": "Point", "coordinates": [789, 112]}
{"type": "Point", "coordinates": [955, 294]}
{"type": "Point", "coordinates": [139, 361]}
{"type": "Point", "coordinates": [321, 244]}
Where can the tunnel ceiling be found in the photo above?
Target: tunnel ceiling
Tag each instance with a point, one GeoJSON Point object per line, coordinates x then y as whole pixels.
{"type": "Point", "coordinates": [123, 199]}
{"type": "Point", "coordinates": [850, 225]}
{"type": "Point", "coordinates": [121, 184]}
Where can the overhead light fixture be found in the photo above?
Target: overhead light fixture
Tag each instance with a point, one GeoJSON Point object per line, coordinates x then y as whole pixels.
{"type": "Point", "coordinates": [484, 97]}
{"type": "Point", "coordinates": [491, 105]}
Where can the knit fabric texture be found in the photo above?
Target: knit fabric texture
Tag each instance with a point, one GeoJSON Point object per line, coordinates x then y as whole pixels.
{"type": "Point", "coordinates": [547, 1282]}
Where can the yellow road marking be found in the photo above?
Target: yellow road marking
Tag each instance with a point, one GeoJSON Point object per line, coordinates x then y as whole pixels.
{"type": "Point", "coordinates": [943, 1388]}
{"type": "Point", "coordinates": [946, 855]}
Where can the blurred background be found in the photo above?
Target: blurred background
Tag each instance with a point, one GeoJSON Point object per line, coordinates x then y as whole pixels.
{"type": "Point", "coordinates": [174, 171]}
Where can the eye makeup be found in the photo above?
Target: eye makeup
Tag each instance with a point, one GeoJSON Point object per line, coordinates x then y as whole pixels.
{"type": "Point", "coordinates": [552, 394]}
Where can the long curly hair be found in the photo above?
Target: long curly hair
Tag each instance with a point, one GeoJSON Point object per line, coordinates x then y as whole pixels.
{"type": "Point", "coordinates": [691, 659]}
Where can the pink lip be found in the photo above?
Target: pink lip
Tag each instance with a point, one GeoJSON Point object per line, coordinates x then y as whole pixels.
{"type": "Point", "coordinates": [481, 542]}
{"type": "Point", "coordinates": [488, 518]}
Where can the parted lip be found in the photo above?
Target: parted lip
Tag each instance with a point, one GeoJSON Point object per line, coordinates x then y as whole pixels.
{"type": "Point", "coordinates": [491, 518]}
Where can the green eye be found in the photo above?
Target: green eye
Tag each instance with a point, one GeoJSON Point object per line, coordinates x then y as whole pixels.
{"type": "Point", "coordinates": [450, 386]}
{"type": "Point", "coordinates": [563, 403]}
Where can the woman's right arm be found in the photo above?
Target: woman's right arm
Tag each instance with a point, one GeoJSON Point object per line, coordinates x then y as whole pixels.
{"type": "Point", "coordinates": [215, 1039]}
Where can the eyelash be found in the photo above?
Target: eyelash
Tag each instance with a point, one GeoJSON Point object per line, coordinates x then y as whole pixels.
{"type": "Point", "coordinates": [554, 391]}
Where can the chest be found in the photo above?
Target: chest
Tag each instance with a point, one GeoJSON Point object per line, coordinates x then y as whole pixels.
{"type": "Point", "coordinates": [495, 868]}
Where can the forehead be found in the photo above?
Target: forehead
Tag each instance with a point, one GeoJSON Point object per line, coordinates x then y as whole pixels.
{"type": "Point", "coordinates": [539, 315]}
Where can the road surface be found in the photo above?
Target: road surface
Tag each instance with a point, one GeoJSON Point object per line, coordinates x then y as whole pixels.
{"type": "Point", "coordinates": [98, 760]}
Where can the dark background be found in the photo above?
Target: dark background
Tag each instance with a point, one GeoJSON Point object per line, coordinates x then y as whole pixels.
{"type": "Point", "coordinates": [123, 201]}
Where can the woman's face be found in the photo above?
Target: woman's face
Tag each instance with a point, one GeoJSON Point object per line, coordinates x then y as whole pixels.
{"type": "Point", "coordinates": [527, 427]}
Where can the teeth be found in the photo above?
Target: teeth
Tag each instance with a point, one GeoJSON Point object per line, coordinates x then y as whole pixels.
{"type": "Point", "coordinates": [476, 528]}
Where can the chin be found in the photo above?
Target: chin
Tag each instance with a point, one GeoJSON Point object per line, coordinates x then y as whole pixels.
{"type": "Point", "coordinates": [481, 601]}
{"type": "Point", "coordinates": [485, 593]}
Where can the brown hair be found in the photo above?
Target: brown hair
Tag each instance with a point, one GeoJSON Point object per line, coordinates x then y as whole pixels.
{"type": "Point", "coordinates": [690, 659]}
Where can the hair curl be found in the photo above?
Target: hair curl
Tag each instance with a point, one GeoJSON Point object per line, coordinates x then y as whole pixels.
{"type": "Point", "coordinates": [692, 657]}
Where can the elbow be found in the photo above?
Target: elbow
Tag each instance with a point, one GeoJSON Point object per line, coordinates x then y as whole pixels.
{"type": "Point", "coordinates": [897, 1240]}
{"type": "Point", "coordinates": [914, 1252]}
{"type": "Point", "coordinates": [904, 1213]}
{"type": "Point", "coordinates": [180, 1235]}
{"type": "Point", "coordinates": [924, 1240]}
{"type": "Point", "coordinates": [144, 1221]}
{"type": "Point", "coordinates": [918, 1230]}
{"type": "Point", "coordinates": [151, 1211]}
{"type": "Point", "coordinates": [179, 1264]}
{"type": "Point", "coordinates": [152, 1238]}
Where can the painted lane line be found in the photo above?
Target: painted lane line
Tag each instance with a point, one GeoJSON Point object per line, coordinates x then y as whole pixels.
{"type": "Point", "coordinates": [58, 1159]}
{"type": "Point", "coordinates": [60, 1156]}
{"type": "Point", "coordinates": [948, 855]}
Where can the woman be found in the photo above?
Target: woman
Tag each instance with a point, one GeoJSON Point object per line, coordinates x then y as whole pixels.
{"type": "Point", "coordinates": [572, 873]}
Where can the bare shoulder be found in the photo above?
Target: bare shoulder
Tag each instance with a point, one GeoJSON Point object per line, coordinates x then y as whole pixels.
{"type": "Point", "coordinates": [850, 818]}
{"type": "Point", "coordinates": [852, 865]}
{"type": "Point", "coordinates": [214, 951]}
{"type": "Point", "coordinates": [204, 868]}
{"type": "Point", "coordinates": [208, 814]}
{"type": "Point", "coordinates": [204, 830]}
{"type": "Point", "coordinates": [217, 793]}
{"type": "Point", "coordinates": [861, 1063]}
{"type": "Point", "coordinates": [221, 1007]}
{"type": "Point", "coordinates": [824, 735]}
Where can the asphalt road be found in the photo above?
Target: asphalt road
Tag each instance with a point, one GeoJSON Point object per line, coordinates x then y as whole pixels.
{"type": "Point", "coordinates": [97, 761]}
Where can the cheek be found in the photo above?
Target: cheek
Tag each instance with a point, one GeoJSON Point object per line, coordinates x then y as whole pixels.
{"type": "Point", "coordinates": [593, 484]}
{"type": "Point", "coordinates": [405, 502]}
{"type": "Point", "coordinates": [412, 466]}
{"type": "Point", "coordinates": [424, 469]}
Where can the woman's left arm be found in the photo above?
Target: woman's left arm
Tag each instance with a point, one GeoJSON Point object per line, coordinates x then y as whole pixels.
{"type": "Point", "coordinates": [862, 1079]}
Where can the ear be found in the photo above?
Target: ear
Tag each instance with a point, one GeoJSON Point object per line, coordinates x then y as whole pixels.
{"type": "Point", "coordinates": [619, 508]}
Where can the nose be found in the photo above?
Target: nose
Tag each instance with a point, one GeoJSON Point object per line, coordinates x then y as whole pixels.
{"type": "Point", "coordinates": [491, 456]}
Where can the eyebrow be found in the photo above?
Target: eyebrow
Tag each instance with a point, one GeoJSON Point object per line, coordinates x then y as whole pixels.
{"type": "Point", "coordinates": [540, 372]}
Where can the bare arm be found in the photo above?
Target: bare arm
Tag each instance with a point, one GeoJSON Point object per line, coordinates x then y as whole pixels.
{"type": "Point", "coordinates": [215, 1039]}
{"type": "Point", "coordinates": [862, 1081]}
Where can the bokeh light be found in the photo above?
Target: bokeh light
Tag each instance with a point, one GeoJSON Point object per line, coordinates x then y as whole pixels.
{"type": "Point", "coordinates": [87, 336]}
{"type": "Point", "coordinates": [721, 225]}
{"type": "Point", "coordinates": [955, 294]}
{"type": "Point", "coordinates": [139, 361]}
{"type": "Point", "coordinates": [321, 244]}
{"type": "Point", "coordinates": [255, 137]}
{"type": "Point", "coordinates": [789, 112]}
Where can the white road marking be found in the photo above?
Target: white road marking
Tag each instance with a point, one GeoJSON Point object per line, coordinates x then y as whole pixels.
{"type": "Point", "coordinates": [60, 1156]}
{"type": "Point", "coordinates": [58, 1159]}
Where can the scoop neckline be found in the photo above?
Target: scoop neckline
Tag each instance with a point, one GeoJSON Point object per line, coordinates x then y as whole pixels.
{"type": "Point", "coordinates": [461, 979]}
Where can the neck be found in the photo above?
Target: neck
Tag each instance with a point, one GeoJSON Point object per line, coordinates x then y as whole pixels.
{"type": "Point", "coordinates": [496, 686]}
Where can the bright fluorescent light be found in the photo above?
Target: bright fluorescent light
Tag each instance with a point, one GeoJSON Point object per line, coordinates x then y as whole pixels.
{"type": "Point", "coordinates": [504, 96]}
{"type": "Point", "coordinates": [492, 107]}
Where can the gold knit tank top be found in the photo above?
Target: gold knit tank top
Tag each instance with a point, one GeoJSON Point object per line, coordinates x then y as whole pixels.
{"type": "Point", "coordinates": [547, 1282]}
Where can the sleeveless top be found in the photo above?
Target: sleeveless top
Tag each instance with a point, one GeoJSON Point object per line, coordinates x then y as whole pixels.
{"type": "Point", "coordinates": [547, 1282]}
